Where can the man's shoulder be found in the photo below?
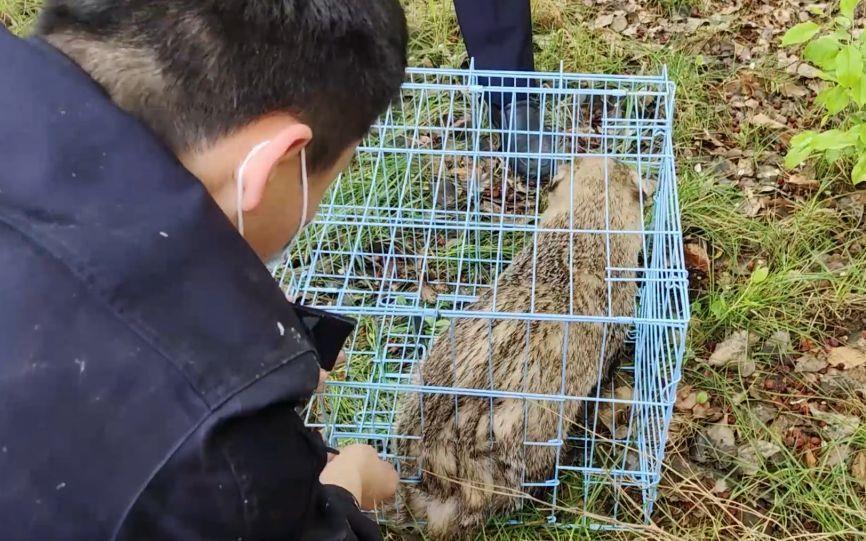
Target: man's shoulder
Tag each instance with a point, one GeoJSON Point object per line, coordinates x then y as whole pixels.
{"type": "Point", "coordinates": [89, 406]}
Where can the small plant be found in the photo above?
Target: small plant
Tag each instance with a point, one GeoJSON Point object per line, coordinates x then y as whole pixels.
{"type": "Point", "coordinates": [837, 50]}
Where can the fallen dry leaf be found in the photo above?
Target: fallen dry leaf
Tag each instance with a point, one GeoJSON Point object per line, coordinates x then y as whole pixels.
{"type": "Point", "coordinates": [764, 121]}
{"type": "Point", "coordinates": [836, 383]}
{"type": "Point", "coordinates": [697, 258]}
{"type": "Point", "coordinates": [807, 71]}
{"type": "Point", "coordinates": [846, 358]}
{"type": "Point", "coordinates": [769, 172]}
{"type": "Point", "coordinates": [751, 206]}
{"type": "Point", "coordinates": [839, 426]}
{"type": "Point", "coordinates": [793, 90]}
{"type": "Point", "coordinates": [765, 413]}
{"type": "Point", "coordinates": [603, 20]}
{"type": "Point", "coordinates": [745, 167]}
{"type": "Point", "coordinates": [786, 61]}
{"type": "Point", "coordinates": [722, 436]}
{"type": "Point", "coordinates": [619, 23]}
{"type": "Point", "coordinates": [802, 183]}
{"type": "Point", "coordinates": [816, 85]}
{"type": "Point", "coordinates": [714, 444]}
{"type": "Point", "coordinates": [808, 363]}
{"type": "Point", "coordinates": [838, 454]}
{"type": "Point", "coordinates": [706, 411]}
{"type": "Point", "coordinates": [686, 400]}
{"type": "Point", "coordinates": [733, 350]}
{"type": "Point", "coordinates": [750, 455]}
{"type": "Point", "coordinates": [693, 23]}
{"type": "Point", "coordinates": [630, 31]}
{"type": "Point", "coordinates": [785, 422]}
{"type": "Point", "coordinates": [778, 342]}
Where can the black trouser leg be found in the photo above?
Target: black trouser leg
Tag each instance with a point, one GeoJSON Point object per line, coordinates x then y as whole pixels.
{"type": "Point", "coordinates": [498, 34]}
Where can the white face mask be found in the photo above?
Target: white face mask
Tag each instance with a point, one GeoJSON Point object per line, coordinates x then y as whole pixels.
{"type": "Point", "coordinates": [304, 189]}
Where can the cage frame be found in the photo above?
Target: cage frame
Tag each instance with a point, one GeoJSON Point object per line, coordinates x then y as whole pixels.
{"type": "Point", "coordinates": [663, 278]}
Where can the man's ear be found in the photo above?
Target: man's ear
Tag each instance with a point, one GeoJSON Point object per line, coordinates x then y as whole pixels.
{"type": "Point", "coordinates": [288, 141]}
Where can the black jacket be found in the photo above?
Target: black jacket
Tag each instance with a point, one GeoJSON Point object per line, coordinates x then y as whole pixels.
{"type": "Point", "coordinates": [149, 365]}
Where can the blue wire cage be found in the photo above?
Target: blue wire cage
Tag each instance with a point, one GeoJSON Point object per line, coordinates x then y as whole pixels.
{"type": "Point", "coordinates": [431, 213]}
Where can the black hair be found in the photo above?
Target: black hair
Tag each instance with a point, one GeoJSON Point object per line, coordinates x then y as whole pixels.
{"type": "Point", "coordinates": [196, 70]}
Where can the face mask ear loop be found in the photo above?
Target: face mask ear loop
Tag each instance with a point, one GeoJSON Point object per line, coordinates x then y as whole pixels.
{"type": "Point", "coordinates": [240, 183]}
{"type": "Point", "coordinates": [305, 187]}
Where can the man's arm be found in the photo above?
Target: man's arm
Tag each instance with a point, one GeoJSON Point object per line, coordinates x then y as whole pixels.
{"type": "Point", "coordinates": [250, 477]}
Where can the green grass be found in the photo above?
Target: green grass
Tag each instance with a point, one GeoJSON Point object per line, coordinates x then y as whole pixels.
{"type": "Point", "coordinates": [802, 293]}
{"type": "Point", "coordinates": [677, 6]}
{"type": "Point", "coordinates": [18, 15]}
{"type": "Point", "coordinates": [799, 499]}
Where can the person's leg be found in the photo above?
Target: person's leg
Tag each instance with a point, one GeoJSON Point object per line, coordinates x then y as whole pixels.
{"type": "Point", "coordinates": [498, 35]}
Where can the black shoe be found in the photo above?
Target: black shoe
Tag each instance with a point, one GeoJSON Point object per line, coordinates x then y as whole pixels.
{"type": "Point", "coordinates": [521, 117]}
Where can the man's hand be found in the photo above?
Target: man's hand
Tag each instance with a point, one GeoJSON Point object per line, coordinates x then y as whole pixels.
{"type": "Point", "coordinates": [359, 470]}
{"type": "Point", "coordinates": [323, 376]}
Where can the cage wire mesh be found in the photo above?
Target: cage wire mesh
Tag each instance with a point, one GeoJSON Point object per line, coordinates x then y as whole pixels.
{"type": "Point", "coordinates": [428, 217]}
